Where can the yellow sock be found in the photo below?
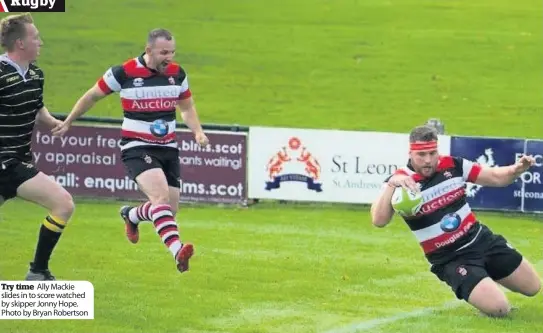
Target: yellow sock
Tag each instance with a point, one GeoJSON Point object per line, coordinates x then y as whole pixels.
{"type": "Point", "coordinates": [54, 223]}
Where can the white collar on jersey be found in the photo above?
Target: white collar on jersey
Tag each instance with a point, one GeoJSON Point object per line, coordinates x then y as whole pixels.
{"type": "Point", "coordinates": [20, 70]}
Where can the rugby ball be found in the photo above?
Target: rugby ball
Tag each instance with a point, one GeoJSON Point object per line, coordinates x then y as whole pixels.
{"type": "Point", "coordinates": [406, 202]}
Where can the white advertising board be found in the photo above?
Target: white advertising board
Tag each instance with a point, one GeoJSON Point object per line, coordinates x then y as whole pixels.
{"type": "Point", "coordinates": [324, 165]}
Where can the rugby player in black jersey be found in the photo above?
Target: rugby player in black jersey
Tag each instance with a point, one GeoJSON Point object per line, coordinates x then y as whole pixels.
{"type": "Point", "coordinates": [21, 107]}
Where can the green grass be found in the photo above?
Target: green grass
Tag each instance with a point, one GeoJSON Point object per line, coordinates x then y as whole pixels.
{"type": "Point", "coordinates": [265, 269]}
{"type": "Point", "coordinates": [348, 64]}
{"type": "Point", "coordinates": [380, 65]}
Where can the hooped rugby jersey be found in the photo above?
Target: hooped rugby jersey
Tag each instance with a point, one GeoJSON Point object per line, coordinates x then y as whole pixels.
{"type": "Point", "coordinates": [445, 223]}
{"type": "Point", "coordinates": [147, 96]}
{"type": "Point", "coordinates": [21, 97]}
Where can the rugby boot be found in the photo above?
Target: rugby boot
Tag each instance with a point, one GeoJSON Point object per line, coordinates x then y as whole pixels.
{"type": "Point", "coordinates": [183, 256]}
{"type": "Point", "coordinates": [131, 229]}
{"type": "Point", "coordinates": [39, 274]}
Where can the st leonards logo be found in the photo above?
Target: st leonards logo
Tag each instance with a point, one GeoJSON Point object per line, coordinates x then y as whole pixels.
{"type": "Point", "coordinates": [294, 163]}
{"type": "Point", "coordinates": [19, 6]}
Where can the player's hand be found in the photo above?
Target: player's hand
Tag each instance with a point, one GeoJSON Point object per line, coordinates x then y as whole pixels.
{"type": "Point", "coordinates": [61, 128]}
{"type": "Point", "coordinates": [56, 123]}
{"type": "Point", "coordinates": [202, 139]}
{"type": "Point", "coordinates": [404, 181]}
{"type": "Point", "coordinates": [524, 163]}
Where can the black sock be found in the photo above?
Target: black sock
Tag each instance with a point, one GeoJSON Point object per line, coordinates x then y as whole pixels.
{"type": "Point", "coordinates": [50, 232]}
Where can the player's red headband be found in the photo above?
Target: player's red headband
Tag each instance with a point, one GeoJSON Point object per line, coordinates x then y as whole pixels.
{"type": "Point", "coordinates": [426, 145]}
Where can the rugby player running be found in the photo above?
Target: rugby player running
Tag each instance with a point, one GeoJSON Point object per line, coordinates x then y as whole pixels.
{"type": "Point", "coordinates": [21, 108]}
{"type": "Point", "coordinates": [463, 252]}
{"type": "Point", "coordinates": [151, 87]}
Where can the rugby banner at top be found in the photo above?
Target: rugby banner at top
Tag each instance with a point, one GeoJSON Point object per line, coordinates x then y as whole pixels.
{"type": "Point", "coordinates": [19, 6]}
{"type": "Point", "coordinates": [324, 165]}
{"type": "Point", "coordinates": [350, 166]}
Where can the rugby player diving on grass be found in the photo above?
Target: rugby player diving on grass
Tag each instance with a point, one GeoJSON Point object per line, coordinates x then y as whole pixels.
{"type": "Point", "coordinates": [463, 252]}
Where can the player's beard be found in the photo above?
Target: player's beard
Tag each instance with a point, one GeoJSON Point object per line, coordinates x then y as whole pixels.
{"type": "Point", "coordinates": [426, 170]}
{"type": "Point", "coordinates": [161, 66]}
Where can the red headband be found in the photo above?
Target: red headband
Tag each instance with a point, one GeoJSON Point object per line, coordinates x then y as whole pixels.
{"type": "Point", "coordinates": [426, 145]}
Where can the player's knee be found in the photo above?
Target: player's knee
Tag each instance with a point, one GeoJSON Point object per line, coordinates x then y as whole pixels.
{"type": "Point", "coordinates": [533, 289]}
{"type": "Point", "coordinates": [489, 299]}
{"type": "Point", "coordinates": [498, 309]}
{"type": "Point", "coordinates": [64, 206]}
{"type": "Point", "coordinates": [527, 281]}
{"type": "Point", "coordinates": [160, 199]}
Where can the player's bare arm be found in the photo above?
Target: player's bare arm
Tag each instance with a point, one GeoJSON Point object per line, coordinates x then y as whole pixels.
{"type": "Point", "coordinates": [190, 117]}
{"type": "Point", "coordinates": [503, 176]}
{"type": "Point", "coordinates": [381, 210]}
{"type": "Point", "coordinates": [84, 104]}
{"type": "Point", "coordinates": [44, 117]}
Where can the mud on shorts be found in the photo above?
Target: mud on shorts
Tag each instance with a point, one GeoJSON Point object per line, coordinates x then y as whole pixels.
{"type": "Point", "coordinates": [139, 159]}
{"type": "Point", "coordinates": [13, 175]}
{"type": "Point", "coordinates": [489, 256]}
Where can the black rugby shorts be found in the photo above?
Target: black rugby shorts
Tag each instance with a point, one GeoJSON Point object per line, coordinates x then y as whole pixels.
{"type": "Point", "coordinates": [139, 159]}
{"type": "Point", "coordinates": [13, 175]}
{"type": "Point", "coordinates": [489, 256]}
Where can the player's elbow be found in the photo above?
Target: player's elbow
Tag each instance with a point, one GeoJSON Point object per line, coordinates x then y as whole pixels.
{"type": "Point", "coordinates": [378, 218]}
{"type": "Point", "coordinates": [94, 94]}
{"type": "Point", "coordinates": [379, 222]}
{"type": "Point", "coordinates": [186, 105]}
{"type": "Point", "coordinates": [39, 117]}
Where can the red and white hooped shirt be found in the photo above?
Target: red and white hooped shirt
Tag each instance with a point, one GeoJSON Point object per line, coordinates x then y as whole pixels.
{"type": "Point", "coordinates": [445, 223]}
{"type": "Point", "coordinates": [146, 96]}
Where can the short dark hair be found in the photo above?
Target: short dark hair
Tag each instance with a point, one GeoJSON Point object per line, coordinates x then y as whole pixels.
{"type": "Point", "coordinates": [423, 133]}
{"type": "Point", "coordinates": [158, 33]}
{"type": "Point", "coordinates": [13, 27]}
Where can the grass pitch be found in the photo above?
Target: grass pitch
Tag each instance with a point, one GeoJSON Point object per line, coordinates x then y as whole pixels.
{"type": "Point", "coordinates": [379, 65]}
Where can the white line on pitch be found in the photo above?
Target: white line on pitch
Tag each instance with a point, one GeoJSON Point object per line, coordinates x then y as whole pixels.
{"type": "Point", "coordinates": [372, 323]}
{"type": "Point", "coordinates": [369, 324]}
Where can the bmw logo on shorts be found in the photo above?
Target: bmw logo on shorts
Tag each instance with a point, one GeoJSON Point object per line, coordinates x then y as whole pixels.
{"type": "Point", "coordinates": [450, 222]}
{"type": "Point", "coordinates": [159, 128]}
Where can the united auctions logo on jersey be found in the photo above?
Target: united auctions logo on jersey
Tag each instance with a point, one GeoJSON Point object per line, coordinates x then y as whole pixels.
{"type": "Point", "coordinates": [14, 6]}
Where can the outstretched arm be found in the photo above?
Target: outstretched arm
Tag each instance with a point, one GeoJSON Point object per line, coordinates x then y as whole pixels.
{"type": "Point", "coordinates": [110, 82]}
{"type": "Point", "coordinates": [85, 103]}
{"type": "Point", "coordinates": [504, 176]}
